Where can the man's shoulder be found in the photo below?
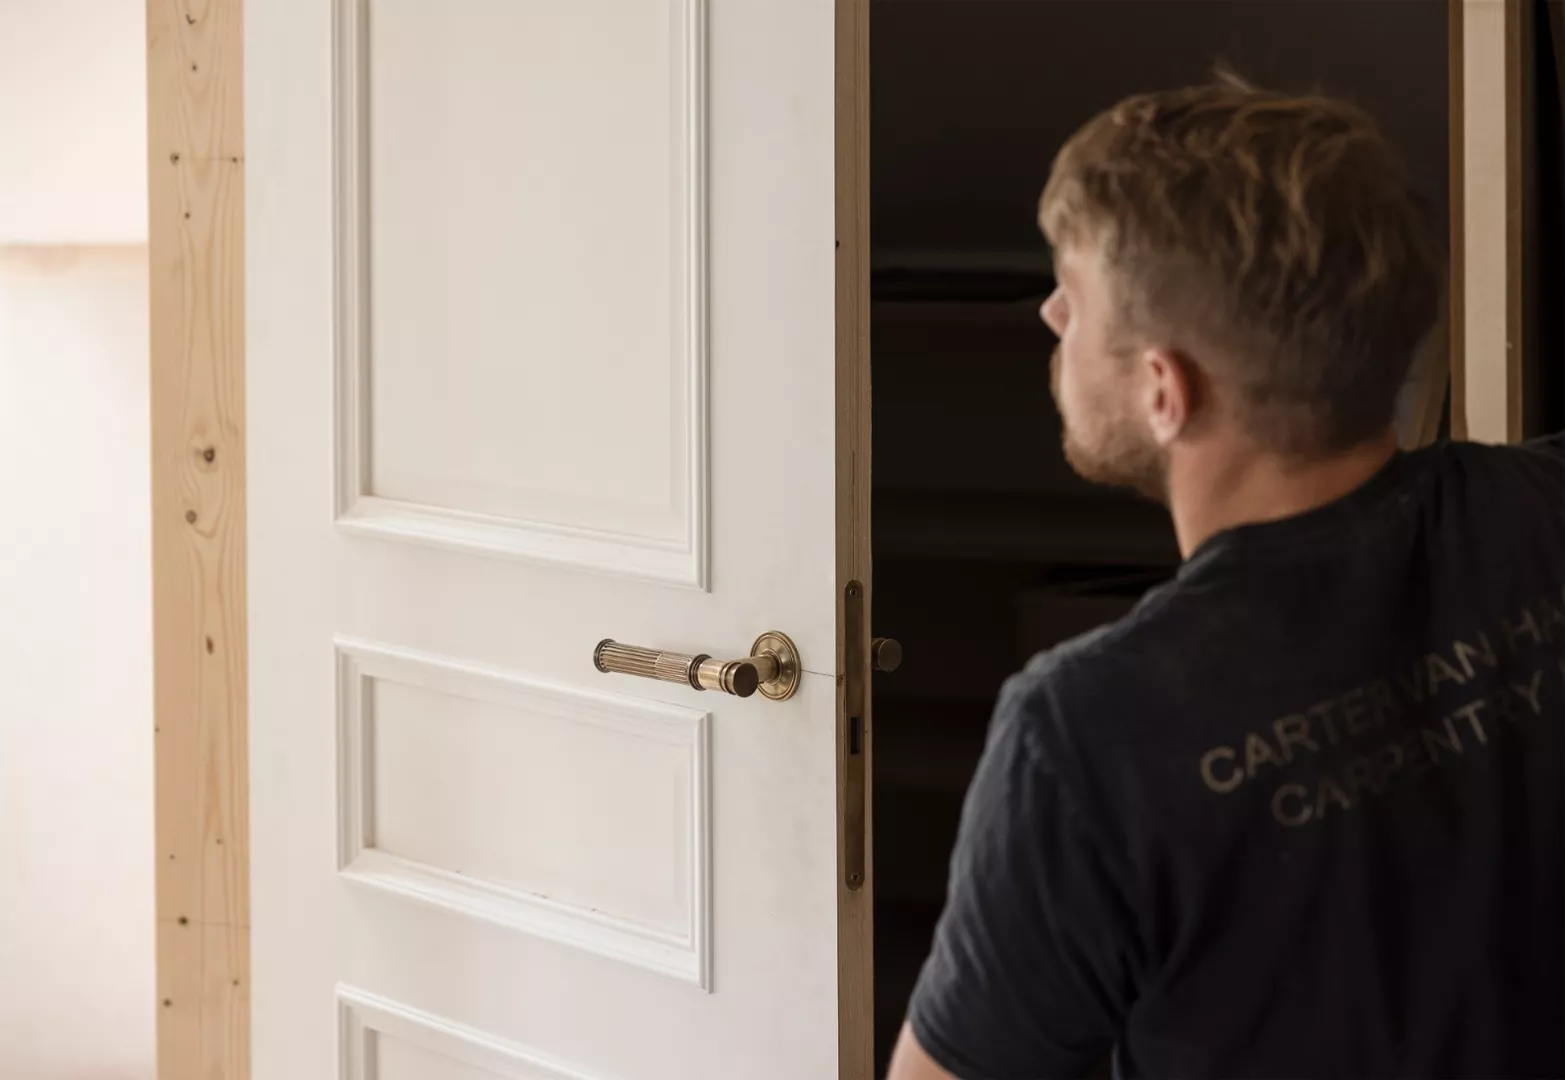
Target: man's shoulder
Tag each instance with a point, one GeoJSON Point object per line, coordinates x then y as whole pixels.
{"type": "Point", "coordinates": [1549, 448]}
{"type": "Point", "coordinates": [1117, 652]}
{"type": "Point", "coordinates": [1538, 459]}
{"type": "Point", "coordinates": [1095, 689]}
{"type": "Point", "coordinates": [1500, 491]}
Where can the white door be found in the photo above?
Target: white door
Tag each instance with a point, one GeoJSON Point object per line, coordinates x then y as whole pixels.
{"type": "Point", "coordinates": [541, 350]}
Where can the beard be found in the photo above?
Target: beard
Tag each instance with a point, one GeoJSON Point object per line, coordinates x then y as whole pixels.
{"type": "Point", "coordinates": [1110, 445]}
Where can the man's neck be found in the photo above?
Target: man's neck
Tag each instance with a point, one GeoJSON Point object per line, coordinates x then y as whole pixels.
{"type": "Point", "coordinates": [1211, 489]}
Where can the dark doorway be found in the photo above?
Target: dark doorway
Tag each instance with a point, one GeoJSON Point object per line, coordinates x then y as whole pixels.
{"type": "Point", "coordinates": [986, 547]}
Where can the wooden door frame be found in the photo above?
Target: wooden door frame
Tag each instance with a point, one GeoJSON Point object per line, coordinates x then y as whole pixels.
{"type": "Point", "coordinates": [196, 162]}
{"type": "Point", "coordinates": [855, 904]}
{"type": "Point", "coordinates": [1490, 62]}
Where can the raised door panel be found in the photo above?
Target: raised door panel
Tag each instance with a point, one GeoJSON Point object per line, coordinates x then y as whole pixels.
{"type": "Point", "coordinates": [521, 234]}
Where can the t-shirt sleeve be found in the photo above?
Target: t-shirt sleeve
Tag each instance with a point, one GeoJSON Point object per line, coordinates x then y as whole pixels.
{"type": "Point", "coordinates": [1030, 972]}
{"type": "Point", "coordinates": [1552, 445]}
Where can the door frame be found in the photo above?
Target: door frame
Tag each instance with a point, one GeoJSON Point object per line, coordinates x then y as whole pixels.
{"type": "Point", "coordinates": [195, 163]}
{"type": "Point", "coordinates": [1490, 59]}
{"type": "Point", "coordinates": [196, 178]}
{"type": "Point", "coordinates": [855, 807]}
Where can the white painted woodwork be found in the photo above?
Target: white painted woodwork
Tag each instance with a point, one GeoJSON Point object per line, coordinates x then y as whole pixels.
{"type": "Point", "coordinates": [571, 814]}
{"type": "Point", "coordinates": [382, 1040]}
{"type": "Point", "coordinates": [525, 306]}
{"type": "Point", "coordinates": [398, 1060]}
{"type": "Point", "coordinates": [573, 268]}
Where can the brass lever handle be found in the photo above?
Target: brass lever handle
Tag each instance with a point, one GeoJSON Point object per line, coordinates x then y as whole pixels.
{"type": "Point", "coordinates": [886, 653]}
{"type": "Point", "coordinates": [772, 667]}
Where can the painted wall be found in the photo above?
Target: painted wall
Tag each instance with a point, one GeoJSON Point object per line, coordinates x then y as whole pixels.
{"type": "Point", "coordinates": [73, 122]}
{"type": "Point", "coordinates": [77, 986]}
{"type": "Point", "coordinates": [76, 849]}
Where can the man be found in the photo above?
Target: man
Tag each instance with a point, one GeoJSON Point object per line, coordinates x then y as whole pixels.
{"type": "Point", "coordinates": [1300, 813]}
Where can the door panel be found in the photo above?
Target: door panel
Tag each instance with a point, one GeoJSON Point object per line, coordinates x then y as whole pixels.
{"type": "Point", "coordinates": [384, 1039]}
{"type": "Point", "coordinates": [521, 222]}
{"type": "Point", "coordinates": [541, 337]}
{"type": "Point", "coordinates": [575, 816]}
{"type": "Point", "coordinates": [477, 265]}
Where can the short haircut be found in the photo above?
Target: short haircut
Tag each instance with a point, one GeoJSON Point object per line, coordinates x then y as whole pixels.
{"type": "Point", "coordinates": [1281, 232]}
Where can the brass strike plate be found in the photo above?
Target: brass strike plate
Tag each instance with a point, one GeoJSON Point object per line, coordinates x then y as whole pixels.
{"type": "Point", "coordinates": [856, 666]}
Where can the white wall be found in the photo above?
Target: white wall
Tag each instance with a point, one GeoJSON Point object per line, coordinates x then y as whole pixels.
{"type": "Point", "coordinates": [73, 121]}
{"type": "Point", "coordinates": [77, 990]}
{"type": "Point", "coordinates": [77, 985]}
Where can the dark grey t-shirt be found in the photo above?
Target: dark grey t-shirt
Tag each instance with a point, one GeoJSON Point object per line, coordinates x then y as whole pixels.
{"type": "Point", "coordinates": [1301, 813]}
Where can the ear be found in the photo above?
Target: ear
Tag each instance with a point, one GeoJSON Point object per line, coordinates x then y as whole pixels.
{"type": "Point", "coordinates": [1168, 393]}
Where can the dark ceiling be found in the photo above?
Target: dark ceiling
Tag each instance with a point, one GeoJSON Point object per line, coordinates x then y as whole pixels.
{"type": "Point", "coordinates": [971, 98]}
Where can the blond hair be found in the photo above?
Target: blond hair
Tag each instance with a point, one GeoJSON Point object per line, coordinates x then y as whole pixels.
{"type": "Point", "coordinates": [1279, 234]}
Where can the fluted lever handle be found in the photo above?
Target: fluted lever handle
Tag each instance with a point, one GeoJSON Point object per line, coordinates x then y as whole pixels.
{"type": "Point", "coordinates": [772, 667]}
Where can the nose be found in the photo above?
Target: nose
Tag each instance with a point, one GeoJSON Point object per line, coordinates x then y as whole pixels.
{"type": "Point", "coordinates": [1051, 312]}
